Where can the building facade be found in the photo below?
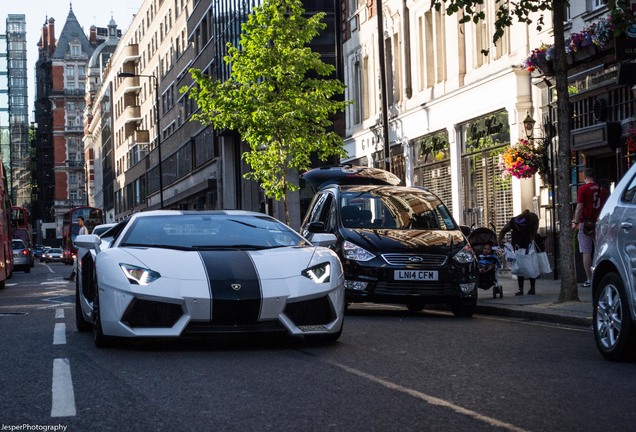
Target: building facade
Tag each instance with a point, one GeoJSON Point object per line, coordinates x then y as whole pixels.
{"type": "Point", "coordinates": [19, 157]}
{"type": "Point", "coordinates": [451, 110]}
{"type": "Point", "coordinates": [161, 159]}
{"type": "Point", "coordinates": [61, 74]}
{"type": "Point", "coordinates": [5, 142]}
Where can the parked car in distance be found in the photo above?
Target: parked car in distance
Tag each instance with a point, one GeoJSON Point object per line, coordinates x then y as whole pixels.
{"type": "Point", "coordinates": [170, 273]}
{"type": "Point", "coordinates": [614, 266]}
{"type": "Point", "coordinates": [397, 244]}
{"type": "Point", "coordinates": [101, 229]}
{"type": "Point", "coordinates": [37, 250]}
{"type": "Point", "coordinates": [53, 255]}
{"type": "Point", "coordinates": [44, 250]}
{"type": "Point", "coordinates": [21, 256]}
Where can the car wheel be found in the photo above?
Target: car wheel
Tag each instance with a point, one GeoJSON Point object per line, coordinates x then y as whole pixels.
{"type": "Point", "coordinates": [81, 324]}
{"type": "Point", "coordinates": [613, 325]}
{"type": "Point", "coordinates": [100, 339]}
{"type": "Point", "coordinates": [464, 310]}
{"type": "Point", "coordinates": [2, 284]}
{"type": "Point", "coordinates": [27, 269]}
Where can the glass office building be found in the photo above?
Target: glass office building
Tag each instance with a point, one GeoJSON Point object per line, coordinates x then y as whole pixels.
{"type": "Point", "coordinates": [20, 176]}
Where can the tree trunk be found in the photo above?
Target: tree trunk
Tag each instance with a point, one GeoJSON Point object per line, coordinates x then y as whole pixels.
{"type": "Point", "coordinates": [286, 204]}
{"type": "Point", "coordinates": [569, 289]}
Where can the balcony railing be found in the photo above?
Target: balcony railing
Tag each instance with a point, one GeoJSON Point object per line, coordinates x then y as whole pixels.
{"type": "Point", "coordinates": [131, 84]}
{"type": "Point", "coordinates": [138, 138]}
{"type": "Point", "coordinates": [131, 53]}
{"type": "Point", "coordinates": [132, 114]}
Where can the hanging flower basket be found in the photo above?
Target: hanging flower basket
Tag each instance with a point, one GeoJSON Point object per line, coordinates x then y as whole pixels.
{"type": "Point", "coordinates": [541, 59]}
{"type": "Point", "coordinates": [521, 160]}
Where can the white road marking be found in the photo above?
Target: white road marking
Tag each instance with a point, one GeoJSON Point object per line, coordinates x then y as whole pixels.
{"type": "Point", "coordinates": [63, 400]}
{"type": "Point", "coordinates": [59, 334]}
{"type": "Point", "coordinates": [59, 313]}
{"type": "Point", "coordinates": [565, 327]}
{"type": "Point", "coordinates": [430, 399]}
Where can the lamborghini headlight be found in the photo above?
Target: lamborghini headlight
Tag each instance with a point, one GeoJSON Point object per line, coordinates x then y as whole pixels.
{"type": "Point", "coordinates": [319, 273]}
{"type": "Point", "coordinates": [139, 275]}
{"type": "Point", "coordinates": [354, 252]}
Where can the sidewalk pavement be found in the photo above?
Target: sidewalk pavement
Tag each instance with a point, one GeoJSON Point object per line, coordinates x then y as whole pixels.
{"type": "Point", "coordinates": [543, 306]}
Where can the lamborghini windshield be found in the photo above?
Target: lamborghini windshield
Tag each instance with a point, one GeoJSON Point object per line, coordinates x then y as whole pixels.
{"type": "Point", "coordinates": [210, 231]}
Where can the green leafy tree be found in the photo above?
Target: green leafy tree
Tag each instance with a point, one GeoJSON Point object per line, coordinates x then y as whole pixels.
{"type": "Point", "coordinates": [278, 98]}
{"type": "Point", "coordinates": [525, 11]}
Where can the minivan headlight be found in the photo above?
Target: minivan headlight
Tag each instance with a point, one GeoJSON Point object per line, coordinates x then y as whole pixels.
{"type": "Point", "coordinates": [354, 252]}
{"type": "Point", "coordinates": [465, 255]}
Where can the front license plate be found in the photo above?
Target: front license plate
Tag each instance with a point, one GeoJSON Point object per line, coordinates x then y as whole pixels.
{"type": "Point", "coordinates": [430, 275]}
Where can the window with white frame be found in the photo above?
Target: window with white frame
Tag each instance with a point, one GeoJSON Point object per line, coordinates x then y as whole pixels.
{"type": "Point", "coordinates": [76, 49]}
{"type": "Point", "coordinates": [482, 39]}
{"type": "Point", "coordinates": [503, 47]}
{"type": "Point", "coordinates": [432, 49]}
{"type": "Point", "coordinates": [356, 89]}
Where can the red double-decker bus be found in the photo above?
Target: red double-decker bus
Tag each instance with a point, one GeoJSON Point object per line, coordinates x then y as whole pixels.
{"type": "Point", "coordinates": [6, 248]}
{"type": "Point", "coordinates": [70, 228]}
{"type": "Point", "coordinates": [21, 224]}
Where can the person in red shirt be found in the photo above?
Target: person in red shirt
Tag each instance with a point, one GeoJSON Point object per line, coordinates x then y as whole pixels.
{"type": "Point", "coordinates": [589, 201]}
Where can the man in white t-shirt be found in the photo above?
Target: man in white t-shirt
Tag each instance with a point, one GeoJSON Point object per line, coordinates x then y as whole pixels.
{"type": "Point", "coordinates": [82, 231]}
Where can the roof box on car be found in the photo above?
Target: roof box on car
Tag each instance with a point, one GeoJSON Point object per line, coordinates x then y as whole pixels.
{"type": "Point", "coordinates": [347, 175]}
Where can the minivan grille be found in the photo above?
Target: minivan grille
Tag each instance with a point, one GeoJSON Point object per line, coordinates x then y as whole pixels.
{"type": "Point", "coordinates": [414, 259]}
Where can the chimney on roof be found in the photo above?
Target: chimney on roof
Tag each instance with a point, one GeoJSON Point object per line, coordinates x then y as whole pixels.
{"type": "Point", "coordinates": [93, 36]}
{"type": "Point", "coordinates": [44, 38]}
{"type": "Point", "coordinates": [51, 36]}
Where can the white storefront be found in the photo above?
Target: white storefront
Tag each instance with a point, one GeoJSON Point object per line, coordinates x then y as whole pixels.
{"type": "Point", "coordinates": [451, 108]}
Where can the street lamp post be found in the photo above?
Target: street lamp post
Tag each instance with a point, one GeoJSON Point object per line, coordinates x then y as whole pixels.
{"type": "Point", "coordinates": [528, 126]}
{"type": "Point", "coordinates": [157, 124]}
{"type": "Point", "coordinates": [383, 89]}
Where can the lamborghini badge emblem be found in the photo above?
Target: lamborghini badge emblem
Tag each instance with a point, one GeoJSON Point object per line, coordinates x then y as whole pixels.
{"type": "Point", "coordinates": [236, 286]}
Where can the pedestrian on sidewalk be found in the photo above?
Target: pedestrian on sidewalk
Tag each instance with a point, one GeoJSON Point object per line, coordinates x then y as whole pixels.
{"type": "Point", "coordinates": [589, 200]}
{"type": "Point", "coordinates": [82, 231]}
{"type": "Point", "coordinates": [523, 228]}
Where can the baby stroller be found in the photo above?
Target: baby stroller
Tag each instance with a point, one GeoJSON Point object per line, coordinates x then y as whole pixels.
{"type": "Point", "coordinates": [479, 238]}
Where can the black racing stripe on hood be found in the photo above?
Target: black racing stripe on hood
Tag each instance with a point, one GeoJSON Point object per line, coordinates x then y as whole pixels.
{"type": "Point", "coordinates": [235, 287]}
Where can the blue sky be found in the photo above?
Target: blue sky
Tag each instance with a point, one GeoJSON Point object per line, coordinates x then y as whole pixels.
{"type": "Point", "coordinates": [88, 13]}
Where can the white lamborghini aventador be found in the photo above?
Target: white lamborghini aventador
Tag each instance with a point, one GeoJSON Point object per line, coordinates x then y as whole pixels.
{"type": "Point", "coordinates": [172, 273]}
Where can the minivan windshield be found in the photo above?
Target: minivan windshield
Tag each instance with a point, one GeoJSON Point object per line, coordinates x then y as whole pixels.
{"type": "Point", "coordinates": [395, 208]}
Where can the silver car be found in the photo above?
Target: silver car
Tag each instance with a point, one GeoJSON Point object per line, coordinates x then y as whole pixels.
{"type": "Point", "coordinates": [53, 255]}
{"type": "Point", "coordinates": [614, 267]}
{"type": "Point", "coordinates": [21, 256]}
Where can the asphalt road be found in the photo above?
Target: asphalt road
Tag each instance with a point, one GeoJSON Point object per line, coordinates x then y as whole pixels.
{"type": "Point", "coordinates": [392, 370]}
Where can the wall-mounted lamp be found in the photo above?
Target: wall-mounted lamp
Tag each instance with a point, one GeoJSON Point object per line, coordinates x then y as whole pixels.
{"type": "Point", "coordinates": [528, 125]}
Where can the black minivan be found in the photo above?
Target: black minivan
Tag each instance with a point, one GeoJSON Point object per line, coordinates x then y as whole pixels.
{"type": "Point", "coordinates": [397, 244]}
